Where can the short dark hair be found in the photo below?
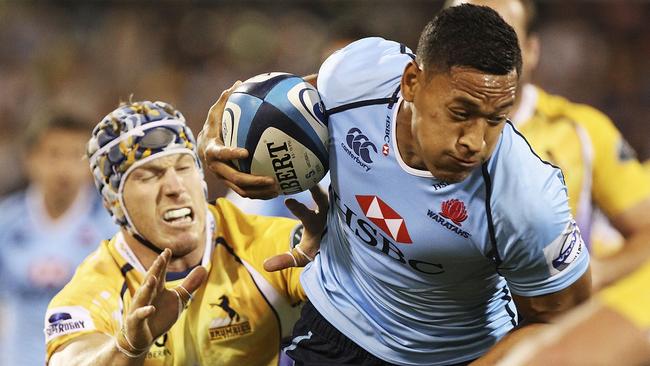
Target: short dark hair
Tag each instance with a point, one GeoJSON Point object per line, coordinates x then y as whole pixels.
{"type": "Point", "coordinates": [472, 36]}
{"type": "Point", "coordinates": [60, 120]}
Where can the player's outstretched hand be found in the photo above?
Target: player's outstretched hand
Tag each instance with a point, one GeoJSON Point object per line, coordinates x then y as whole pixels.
{"type": "Point", "coordinates": [155, 308]}
{"type": "Point", "coordinates": [217, 157]}
{"type": "Point", "coordinates": [313, 222]}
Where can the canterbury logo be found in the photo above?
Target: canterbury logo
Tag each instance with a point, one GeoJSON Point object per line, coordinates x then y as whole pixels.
{"type": "Point", "coordinates": [360, 144]}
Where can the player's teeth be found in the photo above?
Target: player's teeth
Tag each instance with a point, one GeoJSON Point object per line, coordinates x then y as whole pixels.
{"type": "Point", "coordinates": [175, 214]}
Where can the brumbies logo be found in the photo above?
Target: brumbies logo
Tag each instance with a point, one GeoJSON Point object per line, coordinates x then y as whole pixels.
{"type": "Point", "coordinates": [384, 217]}
{"type": "Point", "coordinates": [233, 325]}
{"type": "Point", "coordinates": [452, 210]}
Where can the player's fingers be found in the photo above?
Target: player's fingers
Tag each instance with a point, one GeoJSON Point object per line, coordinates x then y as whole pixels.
{"type": "Point", "coordinates": [320, 197]}
{"type": "Point", "coordinates": [144, 295]}
{"type": "Point", "coordinates": [280, 261]}
{"type": "Point", "coordinates": [140, 314]}
{"type": "Point", "coordinates": [302, 212]}
{"type": "Point", "coordinates": [166, 256]}
{"type": "Point", "coordinates": [216, 111]}
{"type": "Point", "coordinates": [216, 152]}
{"type": "Point", "coordinates": [195, 279]}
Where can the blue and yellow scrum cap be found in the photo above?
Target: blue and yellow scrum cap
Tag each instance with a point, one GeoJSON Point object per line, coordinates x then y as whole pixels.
{"type": "Point", "coordinates": [128, 137]}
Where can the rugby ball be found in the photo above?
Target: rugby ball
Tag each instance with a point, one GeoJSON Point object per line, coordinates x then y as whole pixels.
{"type": "Point", "coordinates": [279, 118]}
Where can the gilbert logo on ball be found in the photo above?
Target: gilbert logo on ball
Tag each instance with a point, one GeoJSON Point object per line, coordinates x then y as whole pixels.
{"type": "Point", "coordinates": [279, 118]}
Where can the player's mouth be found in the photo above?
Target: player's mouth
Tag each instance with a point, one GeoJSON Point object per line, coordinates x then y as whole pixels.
{"type": "Point", "coordinates": [466, 163]}
{"type": "Point", "coordinates": [179, 216]}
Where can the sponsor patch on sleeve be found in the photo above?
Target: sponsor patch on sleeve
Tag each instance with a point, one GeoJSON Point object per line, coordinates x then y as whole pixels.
{"type": "Point", "coordinates": [66, 320]}
{"type": "Point", "coordinates": [565, 249]}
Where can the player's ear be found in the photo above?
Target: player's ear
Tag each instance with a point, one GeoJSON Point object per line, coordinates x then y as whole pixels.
{"type": "Point", "coordinates": [410, 81]}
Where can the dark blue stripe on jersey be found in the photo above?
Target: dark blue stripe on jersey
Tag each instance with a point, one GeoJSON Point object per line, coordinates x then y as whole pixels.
{"type": "Point", "coordinates": [361, 103]}
{"type": "Point", "coordinates": [222, 241]}
{"type": "Point", "coordinates": [506, 296]}
{"type": "Point", "coordinates": [173, 276]}
{"type": "Point", "coordinates": [494, 252]}
{"type": "Point", "coordinates": [402, 50]}
{"type": "Point", "coordinates": [533, 151]}
{"type": "Point", "coordinates": [124, 270]}
{"type": "Point", "coordinates": [394, 98]}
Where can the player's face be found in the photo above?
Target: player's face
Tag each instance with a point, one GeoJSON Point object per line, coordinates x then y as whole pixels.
{"type": "Point", "coordinates": [457, 118]}
{"type": "Point", "coordinates": [54, 164]}
{"type": "Point", "coordinates": [165, 201]}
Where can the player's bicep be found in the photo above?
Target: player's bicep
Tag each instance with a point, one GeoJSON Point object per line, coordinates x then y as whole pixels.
{"type": "Point", "coordinates": [80, 350]}
{"type": "Point", "coordinates": [543, 308]}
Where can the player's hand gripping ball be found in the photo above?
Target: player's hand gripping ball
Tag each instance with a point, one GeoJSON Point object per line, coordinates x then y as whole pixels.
{"type": "Point", "coordinates": [279, 118]}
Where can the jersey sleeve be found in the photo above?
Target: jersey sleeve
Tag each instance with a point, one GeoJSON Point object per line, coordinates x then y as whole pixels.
{"type": "Point", "coordinates": [89, 303]}
{"type": "Point", "coordinates": [364, 70]}
{"type": "Point", "coordinates": [539, 249]}
{"type": "Point", "coordinates": [619, 180]}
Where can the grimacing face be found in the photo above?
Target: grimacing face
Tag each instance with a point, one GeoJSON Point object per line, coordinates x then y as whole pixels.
{"type": "Point", "coordinates": [457, 117]}
{"type": "Point", "coordinates": [165, 201]}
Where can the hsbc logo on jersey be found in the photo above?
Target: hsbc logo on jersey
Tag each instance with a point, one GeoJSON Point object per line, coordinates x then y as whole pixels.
{"type": "Point", "coordinates": [380, 227]}
{"type": "Point", "coordinates": [384, 217]}
{"type": "Point", "coordinates": [359, 148]}
{"type": "Point", "coordinates": [451, 216]}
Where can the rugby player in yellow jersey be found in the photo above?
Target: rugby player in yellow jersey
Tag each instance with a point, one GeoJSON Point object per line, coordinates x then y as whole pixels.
{"type": "Point", "coordinates": [599, 166]}
{"type": "Point", "coordinates": [182, 282]}
{"type": "Point", "coordinates": [612, 329]}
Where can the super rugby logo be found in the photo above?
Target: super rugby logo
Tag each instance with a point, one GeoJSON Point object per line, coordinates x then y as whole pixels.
{"type": "Point", "coordinates": [451, 210]}
{"type": "Point", "coordinates": [359, 147]}
{"type": "Point", "coordinates": [380, 227]}
{"type": "Point", "coordinates": [66, 320]}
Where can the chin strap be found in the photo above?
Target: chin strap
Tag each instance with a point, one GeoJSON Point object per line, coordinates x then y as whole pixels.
{"type": "Point", "coordinates": [151, 245]}
{"type": "Point", "coordinates": [148, 244]}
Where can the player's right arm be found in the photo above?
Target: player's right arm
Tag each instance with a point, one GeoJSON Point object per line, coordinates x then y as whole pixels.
{"type": "Point", "coordinates": [152, 312]}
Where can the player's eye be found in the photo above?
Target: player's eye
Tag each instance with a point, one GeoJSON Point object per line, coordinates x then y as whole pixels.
{"type": "Point", "coordinates": [495, 120]}
{"type": "Point", "coordinates": [458, 115]}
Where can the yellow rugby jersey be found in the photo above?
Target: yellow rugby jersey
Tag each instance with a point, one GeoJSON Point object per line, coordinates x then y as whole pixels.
{"type": "Point", "coordinates": [237, 317]}
{"type": "Point", "coordinates": [631, 297]}
{"type": "Point", "coordinates": [598, 165]}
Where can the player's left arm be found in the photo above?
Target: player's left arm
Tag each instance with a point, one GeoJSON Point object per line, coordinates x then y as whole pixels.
{"type": "Point", "coordinates": [621, 188]}
{"type": "Point", "coordinates": [536, 312]}
{"type": "Point", "coordinates": [634, 224]}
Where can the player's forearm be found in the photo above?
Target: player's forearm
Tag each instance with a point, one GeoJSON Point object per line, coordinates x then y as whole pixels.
{"type": "Point", "coordinates": [502, 347]}
{"type": "Point", "coordinates": [90, 352]}
{"type": "Point", "coordinates": [636, 251]}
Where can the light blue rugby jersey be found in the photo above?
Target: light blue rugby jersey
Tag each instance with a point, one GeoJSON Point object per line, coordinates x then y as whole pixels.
{"type": "Point", "coordinates": [408, 267]}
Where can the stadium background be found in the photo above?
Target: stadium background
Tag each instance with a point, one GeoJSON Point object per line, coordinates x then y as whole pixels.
{"type": "Point", "coordinates": [89, 55]}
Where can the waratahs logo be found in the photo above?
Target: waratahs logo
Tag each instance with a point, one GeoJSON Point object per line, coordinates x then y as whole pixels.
{"type": "Point", "coordinates": [359, 147]}
{"type": "Point", "coordinates": [452, 210]}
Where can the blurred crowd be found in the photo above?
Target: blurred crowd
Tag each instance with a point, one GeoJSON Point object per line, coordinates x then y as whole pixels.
{"type": "Point", "coordinates": [89, 56]}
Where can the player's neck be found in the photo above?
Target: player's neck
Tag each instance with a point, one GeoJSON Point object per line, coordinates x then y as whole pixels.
{"type": "Point", "coordinates": [404, 137]}
{"type": "Point", "coordinates": [147, 256]}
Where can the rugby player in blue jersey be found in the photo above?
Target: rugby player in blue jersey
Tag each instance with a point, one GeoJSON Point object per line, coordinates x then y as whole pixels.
{"type": "Point", "coordinates": [445, 230]}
